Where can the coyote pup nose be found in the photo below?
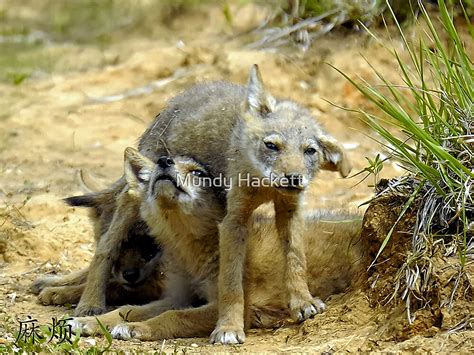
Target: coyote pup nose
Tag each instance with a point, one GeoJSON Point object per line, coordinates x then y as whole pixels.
{"type": "Point", "coordinates": [131, 275]}
{"type": "Point", "coordinates": [165, 162]}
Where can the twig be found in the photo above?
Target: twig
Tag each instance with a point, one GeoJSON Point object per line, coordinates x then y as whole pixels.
{"type": "Point", "coordinates": [139, 91]}
{"type": "Point", "coordinates": [290, 29]}
{"type": "Point", "coordinates": [30, 271]}
{"type": "Point", "coordinates": [464, 324]}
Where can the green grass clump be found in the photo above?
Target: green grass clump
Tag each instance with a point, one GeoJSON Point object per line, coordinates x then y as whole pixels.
{"type": "Point", "coordinates": [434, 112]}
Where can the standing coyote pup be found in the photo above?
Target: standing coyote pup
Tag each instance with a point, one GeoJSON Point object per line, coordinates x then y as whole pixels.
{"type": "Point", "coordinates": [276, 148]}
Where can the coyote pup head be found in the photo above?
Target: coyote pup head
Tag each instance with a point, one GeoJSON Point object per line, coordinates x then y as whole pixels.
{"type": "Point", "coordinates": [176, 192]}
{"type": "Point", "coordinates": [283, 142]}
{"type": "Point", "coordinates": [139, 256]}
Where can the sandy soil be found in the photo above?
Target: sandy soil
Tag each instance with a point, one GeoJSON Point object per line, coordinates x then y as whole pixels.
{"type": "Point", "coordinates": [53, 126]}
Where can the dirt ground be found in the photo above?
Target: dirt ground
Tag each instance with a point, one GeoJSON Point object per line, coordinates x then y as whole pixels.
{"type": "Point", "coordinates": [54, 125]}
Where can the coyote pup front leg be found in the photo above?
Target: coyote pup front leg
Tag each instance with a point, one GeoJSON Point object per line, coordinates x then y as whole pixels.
{"type": "Point", "coordinates": [232, 238]}
{"type": "Point", "coordinates": [74, 278]}
{"type": "Point", "coordinates": [182, 323]}
{"type": "Point", "coordinates": [230, 327]}
{"type": "Point", "coordinates": [93, 299]}
{"type": "Point", "coordinates": [290, 225]}
{"type": "Point", "coordinates": [60, 295]}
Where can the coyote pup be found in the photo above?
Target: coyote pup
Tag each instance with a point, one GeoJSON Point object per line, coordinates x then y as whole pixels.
{"type": "Point", "coordinates": [102, 206]}
{"type": "Point", "coordinates": [280, 142]}
{"type": "Point", "coordinates": [136, 278]}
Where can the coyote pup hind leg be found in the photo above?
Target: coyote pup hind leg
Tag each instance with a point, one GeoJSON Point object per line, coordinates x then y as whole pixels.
{"type": "Point", "coordinates": [89, 325]}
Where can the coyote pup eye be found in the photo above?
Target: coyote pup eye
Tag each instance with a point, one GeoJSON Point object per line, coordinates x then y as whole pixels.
{"type": "Point", "coordinates": [310, 151]}
{"type": "Point", "coordinates": [271, 146]}
{"type": "Point", "coordinates": [149, 255]}
{"type": "Point", "coordinates": [198, 173]}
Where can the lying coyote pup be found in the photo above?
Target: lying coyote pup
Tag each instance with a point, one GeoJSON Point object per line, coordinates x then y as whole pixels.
{"type": "Point", "coordinates": [182, 210]}
{"type": "Point", "coordinates": [137, 275]}
{"type": "Point", "coordinates": [238, 132]}
{"type": "Point", "coordinates": [142, 255]}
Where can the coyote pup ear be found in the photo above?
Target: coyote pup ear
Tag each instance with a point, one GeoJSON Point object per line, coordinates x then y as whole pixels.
{"type": "Point", "coordinates": [258, 101]}
{"type": "Point", "coordinates": [334, 157]}
{"type": "Point", "coordinates": [138, 168]}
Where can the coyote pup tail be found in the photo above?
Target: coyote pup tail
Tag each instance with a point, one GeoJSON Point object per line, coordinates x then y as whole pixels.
{"type": "Point", "coordinates": [82, 201]}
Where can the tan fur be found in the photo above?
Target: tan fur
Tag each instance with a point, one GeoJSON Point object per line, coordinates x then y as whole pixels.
{"type": "Point", "coordinates": [226, 127]}
{"type": "Point", "coordinates": [185, 224]}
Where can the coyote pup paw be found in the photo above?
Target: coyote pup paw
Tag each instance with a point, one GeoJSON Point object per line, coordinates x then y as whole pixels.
{"type": "Point", "coordinates": [121, 331]}
{"type": "Point", "coordinates": [227, 335]}
{"type": "Point", "coordinates": [129, 331]}
{"type": "Point", "coordinates": [40, 283]}
{"type": "Point", "coordinates": [53, 296]}
{"type": "Point", "coordinates": [86, 325]}
{"type": "Point", "coordinates": [84, 310]}
{"type": "Point", "coordinates": [302, 310]}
